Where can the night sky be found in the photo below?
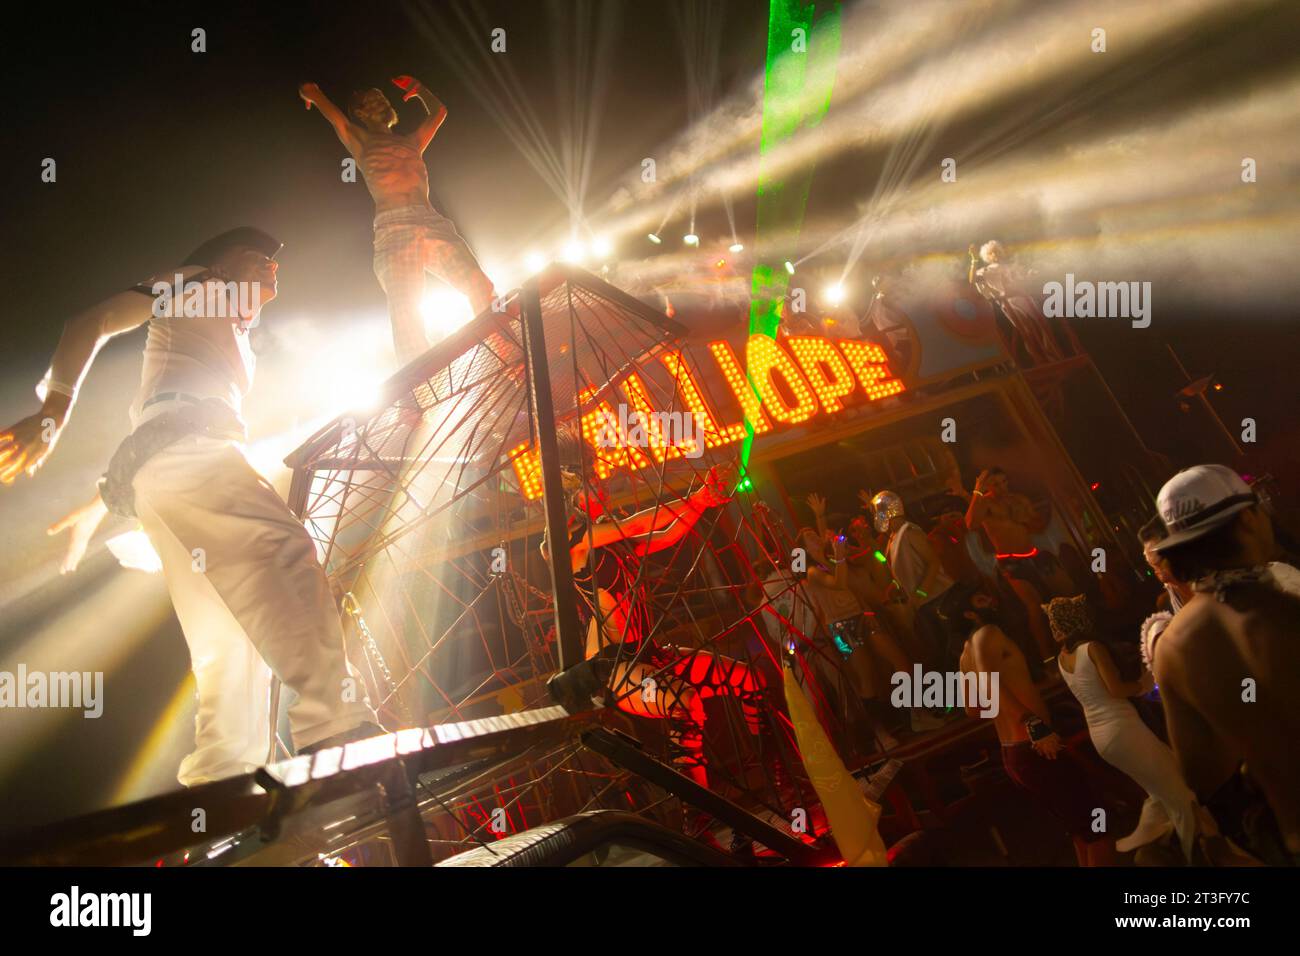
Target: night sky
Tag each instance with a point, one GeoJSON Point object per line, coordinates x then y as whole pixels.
{"type": "Point", "coordinates": [159, 147]}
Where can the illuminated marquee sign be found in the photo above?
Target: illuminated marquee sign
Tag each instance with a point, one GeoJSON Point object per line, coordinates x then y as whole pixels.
{"type": "Point", "coordinates": [797, 378]}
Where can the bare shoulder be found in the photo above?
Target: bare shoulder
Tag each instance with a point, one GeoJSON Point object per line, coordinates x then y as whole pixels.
{"type": "Point", "coordinates": [1195, 631]}
{"type": "Point", "coordinates": [1195, 618]}
{"type": "Point", "coordinates": [989, 640]}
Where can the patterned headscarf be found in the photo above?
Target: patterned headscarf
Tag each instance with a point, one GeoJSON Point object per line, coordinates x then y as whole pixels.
{"type": "Point", "coordinates": [1069, 618]}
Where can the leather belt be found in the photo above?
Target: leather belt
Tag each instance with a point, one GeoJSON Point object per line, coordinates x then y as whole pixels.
{"type": "Point", "coordinates": [171, 397]}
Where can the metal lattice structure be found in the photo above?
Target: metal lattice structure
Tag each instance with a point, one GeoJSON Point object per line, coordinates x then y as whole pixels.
{"type": "Point", "coordinates": [429, 513]}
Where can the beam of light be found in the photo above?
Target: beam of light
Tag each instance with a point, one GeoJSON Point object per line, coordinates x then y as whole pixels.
{"type": "Point", "coordinates": [134, 552]}
{"type": "Point", "coordinates": [534, 262]}
{"type": "Point", "coordinates": [834, 294]}
{"type": "Point", "coordinates": [504, 275]}
{"type": "Point", "coordinates": [150, 769]}
{"type": "Point", "coordinates": [573, 252]}
{"type": "Point", "coordinates": [99, 631]}
{"type": "Point", "coordinates": [1091, 196]}
{"type": "Point", "coordinates": [443, 311]}
{"type": "Point", "coordinates": [797, 92]}
{"type": "Point", "coordinates": [582, 42]}
{"type": "Point", "coordinates": [912, 68]}
{"type": "Point", "coordinates": [699, 30]}
{"type": "Point", "coordinates": [1027, 175]}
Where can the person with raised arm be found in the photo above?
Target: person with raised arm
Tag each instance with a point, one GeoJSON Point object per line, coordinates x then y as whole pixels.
{"type": "Point", "coordinates": [411, 237]}
{"type": "Point", "coordinates": [241, 570]}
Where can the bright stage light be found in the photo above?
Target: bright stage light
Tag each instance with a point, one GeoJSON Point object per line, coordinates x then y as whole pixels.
{"type": "Point", "coordinates": [691, 239]}
{"type": "Point", "coordinates": [573, 251]}
{"type": "Point", "coordinates": [534, 262]}
{"type": "Point", "coordinates": [789, 267]}
{"type": "Point", "coordinates": [358, 395]}
{"type": "Point", "coordinates": [834, 294]}
{"type": "Point", "coordinates": [736, 247]}
{"type": "Point", "coordinates": [444, 311]}
{"type": "Point", "coordinates": [601, 246]}
{"type": "Point", "coordinates": [653, 238]}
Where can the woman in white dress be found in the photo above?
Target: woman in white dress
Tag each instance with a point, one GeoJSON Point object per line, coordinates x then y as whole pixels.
{"type": "Point", "coordinates": [1118, 733]}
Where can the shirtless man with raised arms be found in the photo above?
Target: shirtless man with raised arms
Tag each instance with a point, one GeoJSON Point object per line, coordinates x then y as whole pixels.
{"type": "Point", "coordinates": [411, 237]}
{"type": "Point", "coordinates": [1009, 520]}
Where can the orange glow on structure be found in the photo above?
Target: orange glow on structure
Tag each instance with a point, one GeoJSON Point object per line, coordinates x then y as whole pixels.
{"type": "Point", "coordinates": [766, 357]}
{"type": "Point", "coordinates": [695, 403]}
{"type": "Point", "coordinates": [872, 367]}
{"type": "Point", "coordinates": [750, 404]}
{"type": "Point", "coordinates": [816, 356]}
{"type": "Point", "coordinates": [528, 469]}
{"type": "Point", "coordinates": [820, 375]}
{"type": "Point", "coordinates": [616, 452]}
{"type": "Point", "coordinates": [639, 399]}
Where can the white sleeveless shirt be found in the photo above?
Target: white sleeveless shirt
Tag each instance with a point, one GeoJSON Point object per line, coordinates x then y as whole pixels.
{"type": "Point", "coordinates": [203, 357]}
{"type": "Point", "coordinates": [1101, 710]}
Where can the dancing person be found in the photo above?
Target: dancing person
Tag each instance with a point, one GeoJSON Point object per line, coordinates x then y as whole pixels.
{"type": "Point", "coordinates": [855, 633]}
{"type": "Point", "coordinates": [957, 547]}
{"type": "Point", "coordinates": [1228, 663]}
{"type": "Point", "coordinates": [870, 579]}
{"type": "Point", "coordinates": [1010, 522]}
{"type": "Point", "coordinates": [867, 579]}
{"type": "Point", "coordinates": [791, 623]}
{"type": "Point", "coordinates": [1117, 731]}
{"type": "Point", "coordinates": [411, 237]}
{"type": "Point", "coordinates": [1007, 287]}
{"type": "Point", "coordinates": [242, 572]}
{"type": "Point", "coordinates": [1032, 751]}
{"type": "Point", "coordinates": [646, 679]}
{"type": "Point", "coordinates": [919, 573]}
{"type": "Point", "coordinates": [886, 325]}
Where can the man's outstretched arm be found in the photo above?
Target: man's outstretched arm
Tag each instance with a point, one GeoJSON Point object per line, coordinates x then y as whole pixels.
{"type": "Point", "coordinates": [659, 526]}
{"type": "Point", "coordinates": [313, 95]}
{"type": "Point", "coordinates": [25, 445]}
{"type": "Point", "coordinates": [411, 87]}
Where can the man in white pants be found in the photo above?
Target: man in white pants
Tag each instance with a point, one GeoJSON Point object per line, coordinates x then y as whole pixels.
{"type": "Point", "coordinates": [242, 572]}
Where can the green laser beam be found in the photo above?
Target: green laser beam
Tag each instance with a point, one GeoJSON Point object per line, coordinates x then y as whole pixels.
{"type": "Point", "coordinates": [799, 76]}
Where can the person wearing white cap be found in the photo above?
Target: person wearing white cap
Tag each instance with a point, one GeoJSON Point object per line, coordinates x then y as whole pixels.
{"type": "Point", "coordinates": [241, 570]}
{"type": "Point", "coordinates": [1228, 663]}
{"type": "Point", "coordinates": [1177, 593]}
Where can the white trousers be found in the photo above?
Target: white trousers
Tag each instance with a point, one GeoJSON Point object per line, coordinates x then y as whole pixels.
{"type": "Point", "coordinates": [1130, 746]}
{"type": "Point", "coordinates": [252, 599]}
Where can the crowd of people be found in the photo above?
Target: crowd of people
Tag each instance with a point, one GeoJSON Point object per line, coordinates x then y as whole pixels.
{"type": "Point", "coordinates": [1201, 720]}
